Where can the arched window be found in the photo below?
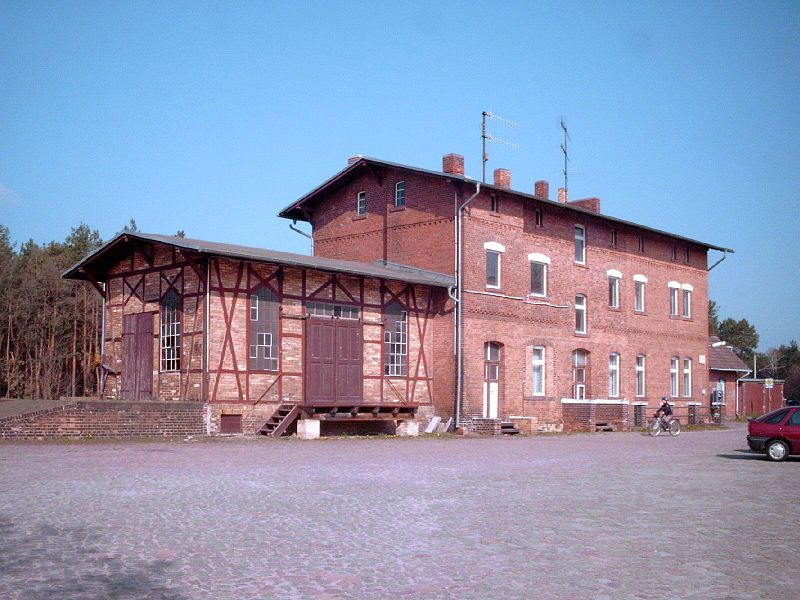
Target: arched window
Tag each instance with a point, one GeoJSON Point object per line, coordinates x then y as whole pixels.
{"type": "Point", "coordinates": [171, 332]}
{"type": "Point", "coordinates": [264, 330]}
{"type": "Point", "coordinates": [396, 338]}
{"type": "Point", "coordinates": [580, 364]}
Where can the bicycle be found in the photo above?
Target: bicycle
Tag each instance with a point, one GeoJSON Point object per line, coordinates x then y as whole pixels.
{"type": "Point", "coordinates": [660, 424]}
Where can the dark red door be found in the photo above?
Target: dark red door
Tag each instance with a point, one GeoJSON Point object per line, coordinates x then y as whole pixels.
{"type": "Point", "coordinates": [334, 361]}
{"type": "Point", "coordinates": [137, 357]}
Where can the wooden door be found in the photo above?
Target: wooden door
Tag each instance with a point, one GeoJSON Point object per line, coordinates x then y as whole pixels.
{"type": "Point", "coordinates": [334, 361]}
{"type": "Point", "coordinates": [491, 381]}
{"type": "Point", "coordinates": [137, 357]}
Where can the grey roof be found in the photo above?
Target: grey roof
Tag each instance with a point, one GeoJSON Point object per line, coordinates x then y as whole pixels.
{"type": "Point", "coordinates": [379, 269]}
{"type": "Point", "coordinates": [293, 211]}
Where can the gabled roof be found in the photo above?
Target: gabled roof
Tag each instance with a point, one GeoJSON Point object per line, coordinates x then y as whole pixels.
{"type": "Point", "coordinates": [722, 358]}
{"type": "Point", "coordinates": [300, 208]}
{"type": "Point", "coordinates": [96, 263]}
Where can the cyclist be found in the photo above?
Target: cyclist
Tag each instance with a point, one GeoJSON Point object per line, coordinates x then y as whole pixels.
{"type": "Point", "coordinates": [664, 411]}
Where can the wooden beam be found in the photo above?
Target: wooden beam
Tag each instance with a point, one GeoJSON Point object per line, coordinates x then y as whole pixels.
{"type": "Point", "coordinates": [91, 279]}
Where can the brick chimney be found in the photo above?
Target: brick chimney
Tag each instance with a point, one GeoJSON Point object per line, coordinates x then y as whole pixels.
{"type": "Point", "coordinates": [453, 164]}
{"type": "Point", "coordinates": [541, 189]}
{"type": "Point", "coordinates": [562, 195]}
{"type": "Point", "coordinates": [502, 178]}
{"type": "Point", "coordinates": [353, 159]}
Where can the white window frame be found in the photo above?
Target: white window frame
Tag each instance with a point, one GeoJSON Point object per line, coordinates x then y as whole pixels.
{"type": "Point", "coordinates": [674, 391]}
{"type": "Point", "coordinates": [253, 307]}
{"type": "Point", "coordinates": [687, 377]}
{"type": "Point", "coordinates": [580, 245]}
{"type": "Point", "coordinates": [673, 301]}
{"type": "Point", "coordinates": [498, 249]}
{"type": "Point", "coordinates": [361, 203]}
{"type": "Point", "coordinates": [539, 367]}
{"type": "Point", "coordinates": [400, 198]}
{"type": "Point", "coordinates": [614, 278]}
{"type": "Point", "coordinates": [581, 306]}
{"type": "Point", "coordinates": [640, 283]}
{"type": "Point", "coordinates": [613, 375]}
{"type": "Point", "coordinates": [541, 259]}
{"type": "Point", "coordinates": [688, 292]}
{"type": "Point", "coordinates": [641, 375]}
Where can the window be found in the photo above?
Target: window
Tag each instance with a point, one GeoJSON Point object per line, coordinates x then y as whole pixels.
{"type": "Point", "coordinates": [613, 375]}
{"type": "Point", "coordinates": [580, 245]}
{"type": "Point", "coordinates": [538, 370]}
{"type": "Point", "coordinates": [641, 244]}
{"type": "Point", "coordinates": [171, 332]}
{"type": "Point", "coordinates": [640, 282]}
{"type": "Point", "coordinates": [361, 208]}
{"type": "Point", "coordinates": [492, 269]}
{"type": "Point", "coordinates": [687, 377]}
{"type": "Point", "coordinates": [538, 217]}
{"type": "Point", "coordinates": [493, 252]}
{"type": "Point", "coordinates": [400, 193]}
{"type": "Point", "coordinates": [777, 417]}
{"type": "Point", "coordinates": [686, 256]}
{"type": "Point", "coordinates": [687, 300]}
{"type": "Point", "coordinates": [674, 251]}
{"type": "Point", "coordinates": [580, 313]}
{"type": "Point", "coordinates": [795, 420]}
{"type": "Point", "coordinates": [396, 334]}
{"type": "Point", "coordinates": [324, 309]}
{"type": "Point", "coordinates": [613, 288]}
{"type": "Point", "coordinates": [264, 327]}
{"type": "Point", "coordinates": [493, 203]}
{"type": "Point", "coordinates": [539, 264]}
{"type": "Point", "coordinates": [673, 301]}
{"type": "Point", "coordinates": [614, 238]}
{"type": "Point", "coordinates": [579, 365]}
{"type": "Point", "coordinates": [640, 375]}
{"type": "Point", "coordinates": [673, 377]}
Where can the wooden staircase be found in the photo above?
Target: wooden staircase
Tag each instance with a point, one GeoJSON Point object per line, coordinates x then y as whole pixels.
{"type": "Point", "coordinates": [281, 420]}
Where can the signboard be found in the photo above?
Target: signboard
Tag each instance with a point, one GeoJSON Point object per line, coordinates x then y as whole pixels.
{"type": "Point", "coordinates": [768, 383]}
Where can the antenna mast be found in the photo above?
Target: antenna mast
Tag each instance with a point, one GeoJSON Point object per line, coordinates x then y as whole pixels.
{"type": "Point", "coordinates": [488, 136]}
{"type": "Point", "coordinates": [565, 150]}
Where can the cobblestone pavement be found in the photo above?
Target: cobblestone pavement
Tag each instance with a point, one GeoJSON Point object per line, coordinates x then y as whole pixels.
{"type": "Point", "coordinates": [579, 516]}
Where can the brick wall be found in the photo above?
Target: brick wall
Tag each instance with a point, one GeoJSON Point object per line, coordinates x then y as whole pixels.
{"type": "Point", "coordinates": [107, 419]}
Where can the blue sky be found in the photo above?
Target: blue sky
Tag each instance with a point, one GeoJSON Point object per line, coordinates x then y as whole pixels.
{"type": "Point", "coordinates": [211, 117]}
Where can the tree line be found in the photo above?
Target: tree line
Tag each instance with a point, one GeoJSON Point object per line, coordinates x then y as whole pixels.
{"type": "Point", "coordinates": [782, 362]}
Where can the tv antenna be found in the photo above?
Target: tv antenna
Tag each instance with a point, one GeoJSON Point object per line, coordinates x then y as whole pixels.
{"type": "Point", "coordinates": [565, 150]}
{"type": "Point", "coordinates": [489, 137]}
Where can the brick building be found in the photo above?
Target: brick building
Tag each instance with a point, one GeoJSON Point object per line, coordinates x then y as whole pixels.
{"type": "Point", "coordinates": [428, 292]}
{"type": "Point", "coordinates": [564, 317]}
{"type": "Point", "coordinates": [725, 371]}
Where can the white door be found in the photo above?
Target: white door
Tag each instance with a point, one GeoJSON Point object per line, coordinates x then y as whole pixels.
{"type": "Point", "coordinates": [491, 382]}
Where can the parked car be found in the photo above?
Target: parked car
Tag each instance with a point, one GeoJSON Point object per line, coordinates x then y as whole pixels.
{"type": "Point", "coordinates": [776, 433]}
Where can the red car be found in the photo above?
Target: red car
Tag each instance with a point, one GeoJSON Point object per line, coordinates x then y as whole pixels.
{"type": "Point", "coordinates": [776, 433]}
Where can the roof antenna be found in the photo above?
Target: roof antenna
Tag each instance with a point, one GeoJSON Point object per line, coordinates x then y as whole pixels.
{"type": "Point", "coordinates": [565, 150]}
{"type": "Point", "coordinates": [488, 136]}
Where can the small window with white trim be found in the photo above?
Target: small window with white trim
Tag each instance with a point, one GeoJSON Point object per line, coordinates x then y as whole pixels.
{"type": "Point", "coordinates": [538, 370]}
{"type": "Point", "coordinates": [614, 277]}
{"type": "Point", "coordinates": [400, 193]}
{"type": "Point", "coordinates": [613, 375]}
{"type": "Point", "coordinates": [640, 375]}
{"type": "Point", "coordinates": [493, 252]}
{"type": "Point", "coordinates": [673, 377]}
{"type": "Point", "coordinates": [580, 245]}
{"type": "Point", "coordinates": [640, 282]}
{"type": "Point", "coordinates": [539, 263]}
{"type": "Point", "coordinates": [687, 301]}
{"type": "Point", "coordinates": [361, 206]}
{"type": "Point", "coordinates": [673, 301]}
{"type": "Point", "coordinates": [580, 313]}
{"type": "Point", "coordinates": [687, 377]}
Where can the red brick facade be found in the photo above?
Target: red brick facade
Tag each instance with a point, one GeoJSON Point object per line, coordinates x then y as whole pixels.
{"type": "Point", "coordinates": [422, 233]}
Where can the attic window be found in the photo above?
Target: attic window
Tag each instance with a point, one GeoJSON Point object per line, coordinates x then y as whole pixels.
{"type": "Point", "coordinates": [614, 238]}
{"type": "Point", "coordinates": [641, 243]}
{"type": "Point", "coordinates": [538, 217]}
{"type": "Point", "coordinates": [361, 207]}
{"type": "Point", "coordinates": [493, 204]}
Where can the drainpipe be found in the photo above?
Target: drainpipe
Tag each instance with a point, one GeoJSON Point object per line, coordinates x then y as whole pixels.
{"type": "Point", "coordinates": [460, 301]}
{"type": "Point", "coordinates": [303, 233]}
{"type": "Point", "coordinates": [724, 256]}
